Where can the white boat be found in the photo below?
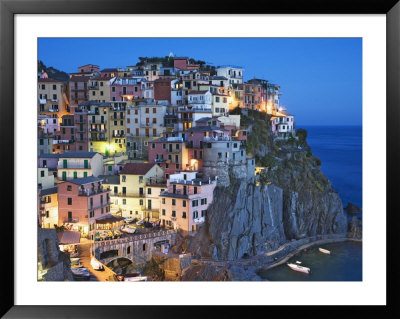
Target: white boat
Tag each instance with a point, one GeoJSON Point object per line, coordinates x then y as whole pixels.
{"type": "Point", "coordinates": [96, 265]}
{"type": "Point", "coordinates": [128, 230]}
{"type": "Point", "coordinates": [140, 222]}
{"type": "Point", "coordinates": [302, 269]}
{"type": "Point", "coordinates": [128, 220]}
{"type": "Point", "coordinates": [298, 262]}
{"type": "Point", "coordinates": [325, 251]}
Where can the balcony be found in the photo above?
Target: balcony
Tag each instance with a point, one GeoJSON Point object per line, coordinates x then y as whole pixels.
{"type": "Point", "coordinates": [105, 204]}
{"type": "Point", "coordinates": [97, 139]}
{"type": "Point", "coordinates": [42, 101]}
{"type": "Point", "coordinates": [116, 117]}
{"type": "Point", "coordinates": [199, 220]}
{"type": "Point", "coordinates": [120, 194]}
{"type": "Point", "coordinates": [119, 135]}
{"type": "Point", "coordinates": [91, 192]}
{"type": "Point", "coordinates": [97, 130]}
{"type": "Point", "coordinates": [54, 100]}
{"type": "Point", "coordinates": [73, 166]}
{"type": "Point", "coordinates": [63, 141]}
{"type": "Point", "coordinates": [71, 220]}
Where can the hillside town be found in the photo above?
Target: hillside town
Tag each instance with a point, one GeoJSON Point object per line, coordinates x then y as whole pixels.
{"type": "Point", "coordinates": [133, 155]}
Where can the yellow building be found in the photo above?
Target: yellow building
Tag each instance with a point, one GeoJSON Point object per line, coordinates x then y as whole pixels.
{"type": "Point", "coordinates": [99, 89]}
{"type": "Point", "coordinates": [107, 127]}
{"type": "Point", "coordinates": [131, 196]}
{"type": "Point", "coordinates": [48, 207]}
{"type": "Point", "coordinates": [52, 97]}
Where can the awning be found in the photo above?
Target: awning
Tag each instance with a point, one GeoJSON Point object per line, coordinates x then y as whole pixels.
{"type": "Point", "coordinates": [109, 219]}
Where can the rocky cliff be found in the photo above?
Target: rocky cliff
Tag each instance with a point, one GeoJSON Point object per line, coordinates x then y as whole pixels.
{"type": "Point", "coordinates": [293, 200]}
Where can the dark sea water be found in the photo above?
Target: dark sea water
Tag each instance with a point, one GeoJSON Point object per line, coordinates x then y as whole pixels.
{"type": "Point", "coordinates": [340, 151]}
{"type": "Point", "coordinates": [344, 264]}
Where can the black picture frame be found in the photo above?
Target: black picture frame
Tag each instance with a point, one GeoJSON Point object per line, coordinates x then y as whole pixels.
{"type": "Point", "coordinates": [9, 8]}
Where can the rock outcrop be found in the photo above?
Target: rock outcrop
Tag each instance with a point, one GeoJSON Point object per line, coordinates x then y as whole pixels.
{"type": "Point", "coordinates": [292, 201]}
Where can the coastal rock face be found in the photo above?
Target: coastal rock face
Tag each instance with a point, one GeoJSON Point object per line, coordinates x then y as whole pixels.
{"type": "Point", "coordinates": [293, 201]}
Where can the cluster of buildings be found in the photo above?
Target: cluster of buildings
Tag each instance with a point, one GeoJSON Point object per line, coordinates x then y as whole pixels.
{"type": "Point", "coordinates": [149, 141]}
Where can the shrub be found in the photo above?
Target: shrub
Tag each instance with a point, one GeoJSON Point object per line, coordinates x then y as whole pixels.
{"type": "Point", "coordinates": [302, 135]}
{"type": "Point", "coordinates": [268, 161]}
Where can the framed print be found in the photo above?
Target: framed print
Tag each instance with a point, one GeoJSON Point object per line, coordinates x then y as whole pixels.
{"type": "Point", "coordinates": [215, 158]}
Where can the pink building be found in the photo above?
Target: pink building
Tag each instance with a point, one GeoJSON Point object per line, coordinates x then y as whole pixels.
{"type": "Point", "coordinates": [125, 89]}
{"type": "Point", "coordinates": [88, 68]}
{"type": "Point", "coordinates": [181, 62]}
{"type": "Point", "coordinates": [170, 153]}
{"type": "Point", "coordinates": [184, 205]}
{"type": "Point", "coordinates": [65, 140]}
{"type": "Point", "coordinates": [80, 202]}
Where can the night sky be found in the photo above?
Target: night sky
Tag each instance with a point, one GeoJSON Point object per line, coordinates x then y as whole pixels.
{"type": "Point", "coordinates": [320, 78]}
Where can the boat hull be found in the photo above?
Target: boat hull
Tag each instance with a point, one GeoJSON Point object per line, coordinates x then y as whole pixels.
{"type": "Point", "coordinates": [298, 268]}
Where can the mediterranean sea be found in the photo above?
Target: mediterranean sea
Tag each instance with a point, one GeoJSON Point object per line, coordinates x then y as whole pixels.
{"type": "Point", "coordinates": [340, 151]}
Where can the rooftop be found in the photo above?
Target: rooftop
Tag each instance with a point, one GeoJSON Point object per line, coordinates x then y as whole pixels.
{"type": "Point", "coordinates": [77, 155]}
{"type": "Point", "coordinates": [42, 80]}
{"type": "Point", "coordinates": [136, 168]}
{"type": "Point", "coordinates": [85, 180]}
{"type": "Point", "coordinates": [207, 128]}
{"type": "Point", "coordinates": [49, 191]}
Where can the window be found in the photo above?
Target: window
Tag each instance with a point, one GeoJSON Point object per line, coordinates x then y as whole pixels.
{"type": "Point", "coordinates": [173, 202]}
{"type": "Point", "coordinates": [149, 191]}
{"type": "Point", "coordinates": [217, 99]}
{"type": "Point", "coordinates": [195, 203]}
{"type": "Point", "coordinates": [184, 203]}
{"type": "Point", "coordinates": [173, 213]}
{"type": "Point", "coordinates": [195, 214]}
{"type": "Point", "coordinates": [69, 201]}
{"type": "Point", "coordinates": [113, 89]}
{"type": "Point", "coordinates": [123, 178]}
{"type": "Point", "coordinates": [41, 173]}
{"type": "Point", "coordinates": [154, 120]}
{"type": "Point", "coordinates": [144, 247]}
{"type": "Point", "coordinates": [141, 202]}
{"type": "Point", "coordinates": [154, 110]}
{"type": "Point", "coordinates": [184, 215]}
{"type": "Point", "coordinates": [69, 215]}
{"type": "Point", "coordinates": [163, 211]}
{"type": "Point", "coordinates": [153, 145]}
{"type": "Point", "coordinates": [164, 146]}
{"type": "Point", "coordinates": [124, 201]}
{"type": "Point", "coordinates": [163, 200]}
{"type": "Point", "coordinates": [109, 168]}
{"type": "Point", "coordinates": [69, 188]}
{"type": "Point", "coordinates": [147, 110]}
{"type": "Point", "coordinates": [203, 213]}
{"type": "Point", "coordinates": [54, 87]}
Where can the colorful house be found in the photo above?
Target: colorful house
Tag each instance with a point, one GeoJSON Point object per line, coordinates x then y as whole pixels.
{"type": "Point", "coordinates": [73, 165]}
{"type": "Point", "coordinates": [184, 204]}
{"type": "Point", "coordinates": [48, 207]}
{"type": "Point", "coordinates": [80, 202]}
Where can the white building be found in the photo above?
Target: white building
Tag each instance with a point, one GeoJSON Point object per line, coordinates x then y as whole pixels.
{"type": "Point", "coordinates": [234, 74]}
{"type": "Point", "coordinates": [72, 165]}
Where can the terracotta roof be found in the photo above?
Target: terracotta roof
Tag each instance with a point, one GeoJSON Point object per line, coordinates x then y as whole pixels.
{"type": "Point", "coordinates": [136, 168]}
{"type": "Point", "coordinates": [102, 78]}
{"type": "Point", "coordinates": [48, 80]}
{"type": "Point", "coordinates": [83, 78]}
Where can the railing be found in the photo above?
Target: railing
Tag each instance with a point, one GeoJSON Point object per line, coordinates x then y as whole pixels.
{"type": "Point", "coordinates": [63, 141]}
{"type": "Point", "coordinates": [101, 205]}
{"type": "Point", "coordinates": [74, 166]}
{"type": "Point", "coordinates": [217, 138]}
{"type": "Point", "coordinates": [135, 237]}
{"type": "Point", "coordinates": [119, 135]}
{"type": "Point", "coordinates": [97, 139]}
{"type": "Point", "coordinates": [90, 192]}
{"type": "Point", "coordinates": [71, 220]}
{"type": "Point", "coordinates": [199, 220]}
{"type": "Point", "coordinates": [120, 194]}
{"type": "Point", "coordinates": [98, 130]}
{"type": "Point", "coordinates": [127, 93]}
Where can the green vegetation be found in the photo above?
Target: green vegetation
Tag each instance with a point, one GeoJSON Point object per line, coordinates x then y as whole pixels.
{"type": "Point", "coordinates": [52, 72]}
{"type": "Point", "coordinates": [302, 135]}
{"type": "Point", "coordinates": [268, 161]}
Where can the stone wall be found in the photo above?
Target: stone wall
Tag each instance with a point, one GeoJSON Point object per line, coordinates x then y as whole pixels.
{"type": "Point", "coordinates": [139, 249]}
{"type": "Point", "coordinates": [53, 265]}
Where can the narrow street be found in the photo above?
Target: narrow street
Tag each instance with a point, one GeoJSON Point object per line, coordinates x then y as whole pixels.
{"type": "Point", "coordinates": [95, 275]}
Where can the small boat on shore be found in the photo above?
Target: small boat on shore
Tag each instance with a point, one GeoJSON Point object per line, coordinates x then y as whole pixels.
{"type": "Point", "coordinates": [302, 269]}
{"type": "Point", "coordinates": [298, 262]}
{"type": "Point", "coordinates": [325, 251]}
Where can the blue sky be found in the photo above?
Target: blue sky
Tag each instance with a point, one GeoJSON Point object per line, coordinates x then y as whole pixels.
{"type": "Point", "coordinates": [320, 78]}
